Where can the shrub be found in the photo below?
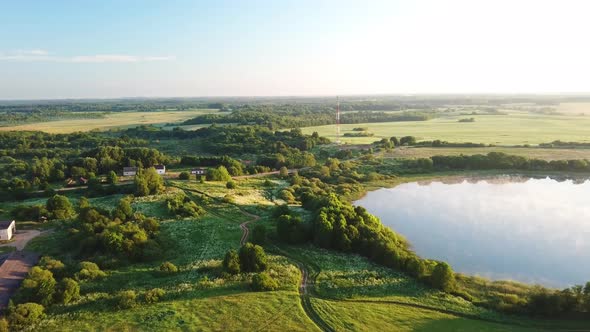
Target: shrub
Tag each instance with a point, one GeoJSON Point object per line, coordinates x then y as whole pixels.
{"type": "Point", "coordinates": [39, 286]}
{"type": "Point", "coordinates": [443, 277]}
{"type": "Point", "coordinates": [153, 295]}
{"type": "Point", "coordinates": [25, 314]}
{"type": "Point", "coordinates": [126, 299]}
{"type": "Point", "coordinates": [262, 282]}
{"type": "Point", "coordinates": [252, 258]}
{"type": "Point", "coordinates": [3, 325]}
{"type": "Point", "coordinates": [231, 262]}
{"type": "Point", "coordinates": [168, 267]}
{"type": "Point", "coordinates": [184, 176]}
{"type": "Point", "coordinates": [69, 290]}
{"type": "Point", "coordinates": [53, 265]}
{"type": "Point", "coordinates": [89, 271]}
{"type": "Point", "coordinates": [230, 185]}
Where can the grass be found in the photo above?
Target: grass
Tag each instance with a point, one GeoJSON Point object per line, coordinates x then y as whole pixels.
{"type": "Point", "coordinates": [112, 120]}
{"type": "Point", "coordinates": [348, 316]}
{"type": "Point", "coordinates": [539, 153]}
{"type": "Point", "coordinates": [516, 128]}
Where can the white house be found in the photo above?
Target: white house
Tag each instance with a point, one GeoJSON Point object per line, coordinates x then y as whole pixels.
{"type": "Point", "coordinates": [7, 229]}
{"type": "Point", "coordinates": [198, 171]}
{"type": "Point", "coordinates": [129, 171]}
{"type": "Point", "coordinates": [160, 169]}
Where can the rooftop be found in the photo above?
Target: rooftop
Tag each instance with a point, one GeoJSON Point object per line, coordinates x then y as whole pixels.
{"type": "Point", "coordinates": [5, 223]}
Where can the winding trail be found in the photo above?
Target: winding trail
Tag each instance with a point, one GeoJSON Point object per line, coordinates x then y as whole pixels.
{"type": "Point", "coordinates": [244, 225]}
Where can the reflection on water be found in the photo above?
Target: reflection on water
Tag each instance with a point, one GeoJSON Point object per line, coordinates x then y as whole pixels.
{"type": "Point", "coordinates": [531, 230]}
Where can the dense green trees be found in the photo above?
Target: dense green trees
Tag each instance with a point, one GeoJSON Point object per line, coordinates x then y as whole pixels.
{"type": "Point", "coordinates": [218, 174]}
{"type": "Point", "coordinates": [60, 207]}
{"type": "Point", "coordinates": [182, 206]}
{"type": "Point", "coordinates": [148, 182]}
{"type": "Point", "coordinates": [252, 258]}
{"type": "Point", "coordinates": [39, 286]}
{"type": "Point", "coordinates": [231, 262]}
{"type": "Point", "coordinates": [499, 160]}
{"type": "Point", "coordinates": [25, 314]}
{"type": "Point", "coordinates": [68, 291]}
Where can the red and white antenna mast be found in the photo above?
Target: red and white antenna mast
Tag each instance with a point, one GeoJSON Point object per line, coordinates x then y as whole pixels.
{"type": "Point", "coordinates": [337, 120]}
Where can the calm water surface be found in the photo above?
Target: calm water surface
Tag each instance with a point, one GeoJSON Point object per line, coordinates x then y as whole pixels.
{"type": "Point", "coordinates": [531, 230]}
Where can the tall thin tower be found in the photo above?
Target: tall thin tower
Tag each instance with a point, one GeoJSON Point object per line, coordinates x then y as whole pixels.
{"type": "Point", "coordinates": [337, 120]}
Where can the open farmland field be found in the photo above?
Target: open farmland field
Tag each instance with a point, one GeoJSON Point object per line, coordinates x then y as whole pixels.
{"type": "Point", "coordinates": [512, 129]}
{"type": "Point", "coordinates": [574, 108]}
{"type": "Point", "coordinates": [537, 153]}
{"type": "Point", "coordinates": [112, 120]}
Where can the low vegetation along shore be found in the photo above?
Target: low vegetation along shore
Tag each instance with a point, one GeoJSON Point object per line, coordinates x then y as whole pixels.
{"type": "Point", "coordinates": [266, 238]}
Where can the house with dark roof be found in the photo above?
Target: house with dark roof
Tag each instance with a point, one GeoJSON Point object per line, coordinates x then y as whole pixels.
{"type": "Point", "coordinates": [160, 169]}
{"type": "Point", "coordinates": [129, 171]}
{"type": "Point", "coordinates": [7, 229]}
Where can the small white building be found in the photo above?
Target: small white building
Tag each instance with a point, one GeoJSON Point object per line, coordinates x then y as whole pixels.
{"type": "Point", "coordinates": [198, 171]}
{"type": "Point", "coordinates": [7, 229]}
{"type": "Point", "coordinates": [129, 171]}
{"type": "Point", "coordinates": [160, 169]}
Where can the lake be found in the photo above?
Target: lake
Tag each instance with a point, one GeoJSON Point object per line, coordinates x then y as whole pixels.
{"type": "Point", "coordinates": [509, 228]}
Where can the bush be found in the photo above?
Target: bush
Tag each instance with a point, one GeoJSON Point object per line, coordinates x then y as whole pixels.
{"type": "Point", "coordinates": [89, 271]}
{"type": "Point", "coordinates": [231, 262]}
{"type": "Point", "coordinates": [69, 291]}
{"type": "Point", "coordinates": [443, 277]}
{"type": "Point", "coordinates": [262, 282]}
{"type": "Point", "coordinates": [184, 176]}
{"type": "Point", "coordinates": [3, 325]}
{"type": "Point", "coordinates": [53, 265]}
{"type": "Point", "coordinates": [168, 267]}
{"type": "Point", "coordinates": [25, 314]}
{"type": "Point", "coordinates": [230, 185]}
{"type": "Point", "coordinates": [218, 174]}
{"type": "Point", "coordinates": [126, 299]}
{"type": "Point", "coordinates": [39, 286]}
{"type": "Point", "coordinates": [153, 295]}
{"type": "Point", "coordinates": [252, 258]}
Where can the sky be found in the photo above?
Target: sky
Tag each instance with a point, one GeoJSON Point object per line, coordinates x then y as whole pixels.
{"type": "Point", "coordinates": [174, 48]}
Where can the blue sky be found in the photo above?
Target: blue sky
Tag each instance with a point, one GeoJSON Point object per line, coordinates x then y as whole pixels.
{"type": "Point", "coordinates": [105, 49]}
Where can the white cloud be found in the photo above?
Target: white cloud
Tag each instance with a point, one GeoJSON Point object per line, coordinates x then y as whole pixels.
{"type": "Point", "coordinates": [42, 55]}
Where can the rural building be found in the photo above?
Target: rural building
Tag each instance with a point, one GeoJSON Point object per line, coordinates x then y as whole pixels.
{"type": "Point", "coordinates": [7, 230]}
{"type": "Point", "coordinates": [160, 169]}
{"type": "Point", "coordinates": [198, 171]}
{"type": "Point", "coordinates": [82, 180]}
{"type": "Point", "coordinates": [129, 171]}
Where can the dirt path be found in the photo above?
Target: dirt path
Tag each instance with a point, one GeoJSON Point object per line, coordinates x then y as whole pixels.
{"type": "Point", "coordinates": [21, 238]}
{"type": "Point", "coordinates": [13, 271]}
{"type": "Point", "coordinates": [244, 226]}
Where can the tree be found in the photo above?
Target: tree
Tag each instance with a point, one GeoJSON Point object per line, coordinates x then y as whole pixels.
{"type": "Point", "coordinates": [443, 277]}
{"type": "Point", "coordinates": [60, 207]}
{"type": "Point", "coordinates": [259, 234]}
{"type": "Point", "coordinates": [184, 176]}
{"type": "Point", "coordinates": [154, 181]}
{"type": "Point", "coordinates": [83, 203]}
{"type": "Point", "coordinates": [230, 185]}
{"type": "Point", "coordinates": [4, 325]}
{"type": "Point", "coordinates": [112, 178]}
{"type": "Point", "coordinates": [218, 174]}
{"type": "Point", "coordinates": [39, 286]}
{"type": "Point", "coordinates": [231, 262]}
{"type": "Point", "coordinates": [69, 290]}
{"type": "Point", "coordinates": [283, 172]}
{"type": "Point", "coordinates": [252, 258]}
{"type": "Point", "coordinates": [141, 187]}
{"type": "Point", "coordinates": [89, 271]}
{"type": "Point", "coordinates": [264, 282]}
{"type": "Point", "coordinates": [124, 211]}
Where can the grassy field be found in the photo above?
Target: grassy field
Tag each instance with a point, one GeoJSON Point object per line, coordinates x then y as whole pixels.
{"type": "Point", "coordinates": [515, 128]}
{"type": "Point", "coordinates": [539, 153]}
{"type": "Point", "coordinates": [113, 120]}
{"type": "Point", "coordinates": [350, 316]}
